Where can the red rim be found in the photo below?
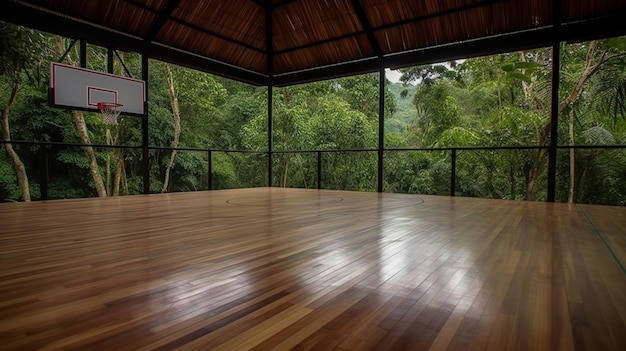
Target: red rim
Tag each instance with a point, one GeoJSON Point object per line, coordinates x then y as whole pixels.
{"type": "Point", "coordinates": [102, 105]}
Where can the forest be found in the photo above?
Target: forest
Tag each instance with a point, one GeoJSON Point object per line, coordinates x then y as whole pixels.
{"type": "Point", "coordinates": [478, 127]}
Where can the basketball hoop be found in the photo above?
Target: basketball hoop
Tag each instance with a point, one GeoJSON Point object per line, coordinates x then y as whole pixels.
{"type": "Point", "coordinates": [110, 111]}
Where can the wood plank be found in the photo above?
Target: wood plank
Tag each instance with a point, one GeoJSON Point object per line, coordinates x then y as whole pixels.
{"type": "Point", "coordinates": [295, 269]}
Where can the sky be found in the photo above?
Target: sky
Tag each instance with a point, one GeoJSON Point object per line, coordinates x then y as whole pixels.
{"type": "Point", "coordinates": [393, 76]}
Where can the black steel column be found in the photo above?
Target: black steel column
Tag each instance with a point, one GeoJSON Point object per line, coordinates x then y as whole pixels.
{"type": "Point", "coordinates": [210, 160]}
{"type": "Point", "coordinates": [83, 53]}
{"type": "Point", "coordinates": [554, 122]}
{"type": "Point", "coordinates": [110, 60]}
{"type": "Point", "coordinates": [45, 174]}
{"type": "Point", "coordinates": [270, 90]}
{"type": "Point", "coordinates": [145, 151]}
{"type": "Point", "coordinates": [270, 97]}
{"type": "Point", "coordinates": [381, 128]}
{"type": "Point", "coordinates": [319, 169]}
{"type": "Point", "coordinates": [453, 173]}
{"type": "Point", "coordinates": [554, 108]}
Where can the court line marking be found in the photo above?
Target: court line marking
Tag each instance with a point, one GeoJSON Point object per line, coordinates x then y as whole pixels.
{"type": "Point", "coordinates": [606, 244]}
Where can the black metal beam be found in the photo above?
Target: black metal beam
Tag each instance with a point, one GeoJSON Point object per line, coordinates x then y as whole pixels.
{"type": "Point", "coordinates": [439, 14]}
{"type": "Point", "coordinates": [215, 34]}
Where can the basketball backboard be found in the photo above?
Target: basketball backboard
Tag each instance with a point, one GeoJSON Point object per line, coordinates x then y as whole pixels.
{"type": "Point", "coordinates": [83, 89]}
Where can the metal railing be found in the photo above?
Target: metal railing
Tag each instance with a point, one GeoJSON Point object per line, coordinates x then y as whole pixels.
{"type": "Point", "coordinates": [318, 155]}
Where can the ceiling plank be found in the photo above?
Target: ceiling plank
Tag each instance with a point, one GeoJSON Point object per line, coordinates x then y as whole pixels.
{"type": "Point", "coordinates": [163, 16]}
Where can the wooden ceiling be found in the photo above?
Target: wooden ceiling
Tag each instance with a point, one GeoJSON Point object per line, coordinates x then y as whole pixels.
{"type": "Point", "coordinates": [282, 42]}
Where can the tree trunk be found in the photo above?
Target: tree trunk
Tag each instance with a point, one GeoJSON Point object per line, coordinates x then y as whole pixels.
{"type": "Point", "coordinates": [176, 114]}
{"type": "Point", "coordinates": [512, 180]}
{"type": "Point", "coordinates": [283, 176]}
{"type": "Point", "coordinates": [533, 174]}
{"type": "Point", "coordinates": [120, 170]}
{"type": "Point", "coordinates": [20, 170]}
{"type": "Point", "coordinates": [528, 90]}
{"type": "Point", "coordinates": [79, 120]}
{"type": "Point", "coordinates": [81, 127]}
{"type": "Point", "coordinates": [590, 69]}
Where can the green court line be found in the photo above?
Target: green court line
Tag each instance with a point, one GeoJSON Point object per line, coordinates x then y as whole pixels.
{"type": "Point", "coordinates": [606, 244]}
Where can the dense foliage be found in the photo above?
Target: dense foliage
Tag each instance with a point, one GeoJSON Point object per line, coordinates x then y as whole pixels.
{"type": "Point", "coordinates": [495, 111]}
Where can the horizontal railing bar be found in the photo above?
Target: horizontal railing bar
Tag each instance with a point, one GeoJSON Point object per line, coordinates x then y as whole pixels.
{"type": "Point", "coordinates": [469, 148]}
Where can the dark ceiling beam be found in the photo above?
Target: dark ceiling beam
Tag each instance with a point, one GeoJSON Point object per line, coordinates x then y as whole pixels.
{"type": "Point", "coordinates": [163, 16]}
{"type": "Point", "coordinates": [215, 34]}
{"type": "Point", "coordinates": [265, 3]}
{"type": "Point", "coordinates": [365, 23]}
{"type": "Point", "coordinates": [282, 3]}
{"type": "Point", "coordinates": [320, 42]}
{"type": "Point", "coordinates": [166, 14]}
{"type": "Point", "coordinates": [269, 40]}
{"type": "Point", "coordinates": [438, 14]}
{"type": "Point", "coordinates": [142, 6]}
{"type": "Point", "coordinates": [41, 19]}
{"type": "Point", "coordinates": [605, 27]}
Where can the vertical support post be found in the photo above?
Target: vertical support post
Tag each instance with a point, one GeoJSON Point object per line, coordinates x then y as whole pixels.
{"type": "Point", "coordinates": [554, 108]}
{"type": "Point", "coordinates": [269, 39]}
{"type": "Point", "coordinates": [554, 122]}
{"type": "Point", "coordinates": [319, 169]}
{"type": "Point", "coordinates": [381, 128]}
{"type": "Point", "coordinates": [83, 53]}
{"type": "Point", "coordinates": [210, 160]}
{"type": "Point", "coordinates": [110, 60]}
{"type": "Point", "coordinates": [45, 175]}
{"type": "Point", "coordinates": [453, 173]}
{"type": "Point", "coordinates": [270, 117]}
{"type": "Point", "coordinates": [145, 151]}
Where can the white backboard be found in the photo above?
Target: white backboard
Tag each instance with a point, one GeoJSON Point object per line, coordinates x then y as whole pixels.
{"type": "Point", "coordinates": [82, 89]}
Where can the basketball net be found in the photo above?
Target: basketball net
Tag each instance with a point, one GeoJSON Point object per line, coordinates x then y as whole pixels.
{"type": "Point", "coordinates": [110, 111]}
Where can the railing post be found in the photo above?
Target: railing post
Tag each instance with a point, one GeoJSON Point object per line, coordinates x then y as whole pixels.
{"type": "Point", "coordinates": [381, 130]}
{"type": "Point", "coordinates": [145, 139]}
{"type": "Point", "coordinates": [210, 160]}
{"type": "Point", "coordinates": [319, 169]}
{"type": "Point", "coordinates": [453, 173]}
{"type": "Point", "coordinates": [45, 175]}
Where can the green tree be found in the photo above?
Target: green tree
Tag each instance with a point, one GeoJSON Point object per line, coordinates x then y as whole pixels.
{"type": "Point", "coordinates": [20, 56]}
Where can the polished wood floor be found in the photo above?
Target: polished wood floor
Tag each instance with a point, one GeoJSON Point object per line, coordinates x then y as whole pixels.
{"type": "Point", "coordinates": [293, 269]}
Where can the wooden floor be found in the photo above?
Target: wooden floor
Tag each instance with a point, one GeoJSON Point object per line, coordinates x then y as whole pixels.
{"type": "Point", "coordinates": [292, 269]}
